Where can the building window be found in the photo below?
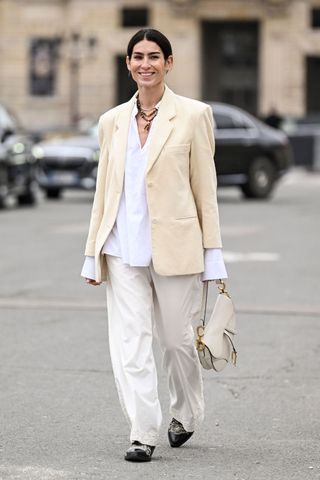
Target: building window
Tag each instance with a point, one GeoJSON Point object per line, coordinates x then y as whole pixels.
{"type": "Point", "coordinates": [312, 84]}
{"type": "Point", "coordinates": [315, 18]}
{"type": "Point", "coordinates": [43, 66]}
{"type": "Point", "coordinates": [135, 17]}
{"type": "Point", "coordinates": [126, 86]}
{"type": "Point", "coordinates": [230, 63]}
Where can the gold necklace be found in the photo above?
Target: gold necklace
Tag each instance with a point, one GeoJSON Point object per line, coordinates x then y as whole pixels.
{"type": "Point", "coordinates": [147, 117]}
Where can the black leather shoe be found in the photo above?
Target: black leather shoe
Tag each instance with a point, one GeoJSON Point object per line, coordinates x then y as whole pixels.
{"type": "Point", "coordinates": [138, 452]}
{"type": "Point", "coordinates": [177, 434]}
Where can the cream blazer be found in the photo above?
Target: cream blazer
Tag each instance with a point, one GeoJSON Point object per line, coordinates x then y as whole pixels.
{"type": "Point", "coordinates": [180, 185]}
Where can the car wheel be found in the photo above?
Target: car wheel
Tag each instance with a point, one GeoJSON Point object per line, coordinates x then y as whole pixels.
{"type": "Point", "coordinates": [261, 179]}
{"type": "Point", "coordinates": [30, 196]}
{"type": "Point", "coordinates": [53, 193]}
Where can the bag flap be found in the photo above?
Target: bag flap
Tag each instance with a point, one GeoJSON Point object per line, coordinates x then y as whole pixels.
{"type": "Point", "coordinates": [222, 318]}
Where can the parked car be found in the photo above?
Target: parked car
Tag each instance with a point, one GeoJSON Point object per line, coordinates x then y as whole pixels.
{"type": "Point", "coordinates": [18, 166]}
{"type": "Point", "coordinates": [68, 163]}
{"type": "Point", "coordinates": [249, 154]}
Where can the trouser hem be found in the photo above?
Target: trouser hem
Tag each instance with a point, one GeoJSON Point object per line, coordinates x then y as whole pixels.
{"type": "Point", "coordinates": [145, 438]}
{"type": "Point", "coordinates": [190, 425]}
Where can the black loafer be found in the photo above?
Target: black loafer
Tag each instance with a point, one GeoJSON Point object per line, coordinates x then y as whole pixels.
{"type": "Point", "coordinates": [177, 434]}
{"type": "Point", "coordinates": [139, 452]}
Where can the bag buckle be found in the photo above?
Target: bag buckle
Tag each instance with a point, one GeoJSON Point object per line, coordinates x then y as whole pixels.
{"type": "Point", "coordinates": [222, 287]}
{"type": "Point", "coordinates": [200, 346]}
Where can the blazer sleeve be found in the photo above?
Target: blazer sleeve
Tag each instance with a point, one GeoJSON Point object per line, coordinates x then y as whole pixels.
{"type": "Point", "coordinates": [98, 203]}
{"type": "Point", "coordinates": [203, 178]}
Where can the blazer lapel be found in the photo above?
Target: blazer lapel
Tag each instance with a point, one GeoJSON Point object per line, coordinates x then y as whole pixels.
{"type": "Point", "coordinates": [120, 140]}
{"type": "Point", "coordinates": [160, 133]}
{"type": "Point", "coordinates": [162, 128]}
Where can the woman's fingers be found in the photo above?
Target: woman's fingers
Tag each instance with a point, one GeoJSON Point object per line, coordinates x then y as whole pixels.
{"type": "Point", "coordinates": [90, 281]}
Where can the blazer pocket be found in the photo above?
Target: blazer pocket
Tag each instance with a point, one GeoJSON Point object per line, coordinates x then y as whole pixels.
{"type": "Point", "coordinates": [182, 148]}
{"type": "Point", "coordinates": [186, 217]}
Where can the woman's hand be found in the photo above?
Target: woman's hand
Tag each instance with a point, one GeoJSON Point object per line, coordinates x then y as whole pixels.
{"type": "Point", "coordinates": [90, 281]}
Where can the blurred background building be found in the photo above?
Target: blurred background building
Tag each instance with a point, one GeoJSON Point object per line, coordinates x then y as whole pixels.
{"type": "Point", "coordinates": [63, 60]}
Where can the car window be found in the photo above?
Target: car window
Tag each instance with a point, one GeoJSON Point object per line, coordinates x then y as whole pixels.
{"type": "Point", "coordinates": [232, 121]}
{"type": "Point", "coordinates": [223, 121]}
{"type": "Point", "coordinates": [244, 122]}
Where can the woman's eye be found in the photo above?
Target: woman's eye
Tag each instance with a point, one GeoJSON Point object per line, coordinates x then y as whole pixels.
{"type": "Point", "coordinates": [139, 58]}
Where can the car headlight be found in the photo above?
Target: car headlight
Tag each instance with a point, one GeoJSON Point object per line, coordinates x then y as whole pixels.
{"type": "Point", "coordinates": [18, 148]}
{"type": "Point", "coordinates": [37, 152]}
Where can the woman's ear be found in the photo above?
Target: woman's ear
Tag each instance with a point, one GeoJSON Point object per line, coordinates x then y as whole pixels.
{"type": "Point", "coordinates": [169, 63]}
{"type": "Point", "coordinates": [128, 63]}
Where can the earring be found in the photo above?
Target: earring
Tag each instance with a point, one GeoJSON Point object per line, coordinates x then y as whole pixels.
{"type": "Point", "coordinates": [129, 74]}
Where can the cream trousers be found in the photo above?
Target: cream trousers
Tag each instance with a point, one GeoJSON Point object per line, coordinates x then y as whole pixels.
{"type": "Point", "coordinates": [140, 303]}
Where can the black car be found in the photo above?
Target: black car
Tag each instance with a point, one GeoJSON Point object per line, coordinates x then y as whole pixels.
{"type": "Point", "coordinates": [68, 163]}
{"type": "Point", "coordinates": [249, 154]}
{"type": "Point", "coordinates": [18, 166]}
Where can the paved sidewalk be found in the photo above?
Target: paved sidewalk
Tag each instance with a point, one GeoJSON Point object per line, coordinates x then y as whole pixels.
{"type": "Point", "coordinates": [61, 418]}
{"type": "Point", "coordinates": [59, 413]}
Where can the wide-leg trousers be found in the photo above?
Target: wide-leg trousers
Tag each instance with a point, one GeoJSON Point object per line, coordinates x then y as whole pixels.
{"type": "Point", "coordinates": [142, 303]}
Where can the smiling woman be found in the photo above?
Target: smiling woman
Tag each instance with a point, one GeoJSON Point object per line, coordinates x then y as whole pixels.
{"type": "Point", "coordinates": [148, 61]}
{"type": "Point", "coordinates": [154, 235]}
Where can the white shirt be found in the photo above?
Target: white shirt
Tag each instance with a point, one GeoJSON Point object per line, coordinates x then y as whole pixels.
{"type": "Point", "coordinates": [130, 237]}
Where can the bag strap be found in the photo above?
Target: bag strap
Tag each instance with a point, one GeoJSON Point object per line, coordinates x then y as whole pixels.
{"type": "Point", "coordinates": [222, 289]}
{"type": "Point", "coordinates": [204, 303]}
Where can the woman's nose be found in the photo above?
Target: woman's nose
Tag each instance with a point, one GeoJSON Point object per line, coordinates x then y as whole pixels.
{"type": "Point", "coordinates": [145, 63]}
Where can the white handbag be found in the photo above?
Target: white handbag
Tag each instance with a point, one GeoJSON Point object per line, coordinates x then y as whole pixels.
{"type": "Point", "coordinates": [215, 338]}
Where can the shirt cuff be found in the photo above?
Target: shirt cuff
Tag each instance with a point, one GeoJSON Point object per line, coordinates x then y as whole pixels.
{"type": "Point", "coordinates": [88, 269]}
{"type": "Point", "coordinates": [214, 267]}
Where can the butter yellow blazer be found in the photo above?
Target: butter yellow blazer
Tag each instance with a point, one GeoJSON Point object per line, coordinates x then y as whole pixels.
{"type": "Point", "coordinates": [180, 185]}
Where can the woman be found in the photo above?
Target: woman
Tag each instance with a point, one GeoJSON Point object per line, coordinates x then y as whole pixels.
{"type": "Point", "coordinates": [154, 229]}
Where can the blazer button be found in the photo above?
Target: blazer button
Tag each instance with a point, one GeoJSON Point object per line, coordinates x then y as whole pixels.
{"type": "Point", "coordinates": [150, 184]}
{"type": "Point", "coordinates": [154, 221]}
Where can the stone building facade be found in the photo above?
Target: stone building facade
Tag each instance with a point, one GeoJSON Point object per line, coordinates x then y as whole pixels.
{"type": "Point", "coordinates": [61, 60]}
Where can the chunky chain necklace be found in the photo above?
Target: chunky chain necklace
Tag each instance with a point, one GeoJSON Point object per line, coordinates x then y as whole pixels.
{"type": "Point", "coordinates": [146, 114]}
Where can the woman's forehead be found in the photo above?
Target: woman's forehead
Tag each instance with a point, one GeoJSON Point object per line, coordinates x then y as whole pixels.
{"type": "Point", "coordinates": [147, 46]}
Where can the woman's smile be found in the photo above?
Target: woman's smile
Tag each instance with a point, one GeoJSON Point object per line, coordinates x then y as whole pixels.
{"type": "Point", "coordinates": [146, 74]}
{"type": "Point", "coordinates": [147, 64]}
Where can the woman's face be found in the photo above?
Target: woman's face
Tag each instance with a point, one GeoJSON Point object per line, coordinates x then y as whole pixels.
{"type": "Point", "coordinates": [147, 64]}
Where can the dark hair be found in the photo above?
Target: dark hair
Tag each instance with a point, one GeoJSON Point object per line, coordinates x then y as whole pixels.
{"type": "Point", "coordinates": [153, 36]}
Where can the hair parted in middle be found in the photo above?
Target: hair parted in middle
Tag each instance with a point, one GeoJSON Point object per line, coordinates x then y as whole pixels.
{"type": "Point", "coordinates": [153, 36]}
